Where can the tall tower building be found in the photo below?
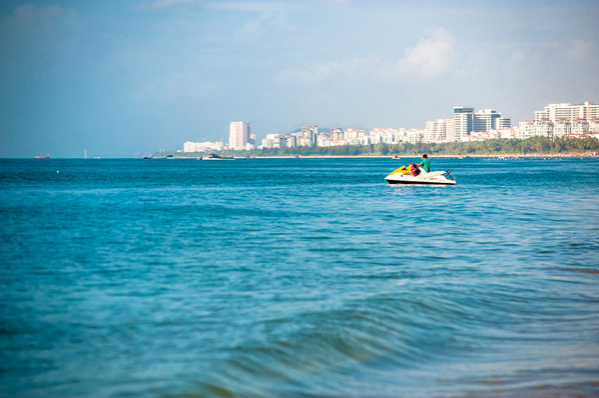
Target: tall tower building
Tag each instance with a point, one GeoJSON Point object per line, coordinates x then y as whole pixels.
{"type": "Point", "coordinates": [239, 134]}
{"type": "Point", "coordinates": [466, 121]}
{"type": "Point", "coordinates": [463, 117]}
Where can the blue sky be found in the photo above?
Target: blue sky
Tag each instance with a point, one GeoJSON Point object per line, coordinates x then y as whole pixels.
{"type": "Point", "coordinates": [126, 78]}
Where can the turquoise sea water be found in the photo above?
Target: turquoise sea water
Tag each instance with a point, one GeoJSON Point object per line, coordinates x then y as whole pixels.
{"type": "Point", "coordinates": [298, 278]}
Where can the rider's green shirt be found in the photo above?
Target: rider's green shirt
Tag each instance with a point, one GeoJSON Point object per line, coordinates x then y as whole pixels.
{"type": "Point", "coordinates": [426, 165]}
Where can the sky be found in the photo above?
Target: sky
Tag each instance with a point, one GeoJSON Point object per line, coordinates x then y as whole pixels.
{"type": "Point", "coordinates": [126, 78]}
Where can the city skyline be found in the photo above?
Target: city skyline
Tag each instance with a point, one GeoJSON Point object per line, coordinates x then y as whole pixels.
{"type": "Point", "coordinates": [122, 79]}
{"type": "Point", "coordinates": [555, 120]}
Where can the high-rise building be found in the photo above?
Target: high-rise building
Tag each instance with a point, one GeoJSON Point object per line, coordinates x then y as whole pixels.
{"type": "Point", "coordinates": [239, 135]}
{"type": "Point", "coordinates": [466, 121]}
{"type": "Point", "coordinates": [463, 117]}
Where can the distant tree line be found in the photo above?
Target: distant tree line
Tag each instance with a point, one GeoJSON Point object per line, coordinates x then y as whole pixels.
{"type": "Point", "coordinates": [535, 145]}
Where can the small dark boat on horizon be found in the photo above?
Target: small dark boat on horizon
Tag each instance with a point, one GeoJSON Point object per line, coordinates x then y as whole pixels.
{"type": "Point", "coordinates": [212, 156]}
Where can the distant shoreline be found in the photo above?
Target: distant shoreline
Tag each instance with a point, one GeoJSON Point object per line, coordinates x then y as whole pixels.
{"type": "Point", "coordinates": [530, 147]}
{"type": "Point", "coordinates": [505, 156]}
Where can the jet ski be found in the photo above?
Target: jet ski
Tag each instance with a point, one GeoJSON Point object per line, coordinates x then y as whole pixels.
{"type": "Point", "coordinates": [404, 175]}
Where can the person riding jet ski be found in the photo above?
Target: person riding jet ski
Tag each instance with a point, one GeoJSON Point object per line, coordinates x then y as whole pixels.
{"type": "Point", "coordinates": [415, 170]}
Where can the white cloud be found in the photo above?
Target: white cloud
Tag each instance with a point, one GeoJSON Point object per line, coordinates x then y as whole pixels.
{"type": "Point", "coordinates": [428, 59]}
{"type": "Point", "coordinates": [431, 57]}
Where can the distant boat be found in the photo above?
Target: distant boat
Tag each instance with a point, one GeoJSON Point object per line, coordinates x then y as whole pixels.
{"type": "Point", "coordinates": [147, 157]}
{"type": "Point", "coordinates": [43, 157]}
{"type": "Point", "coordinates": [213, 156]}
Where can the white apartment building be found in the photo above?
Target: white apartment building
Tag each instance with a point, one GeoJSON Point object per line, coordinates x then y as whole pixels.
{"type": "Point", "coordinates": [305, 141]}
{"type": "Point", "coordinates": [353, 134]}
{"type": "Point", "coordinates": [562, 120]}
{"type": "Point", "coordinates": [323, 140]}
{"type": "Point", "coordinates": [441, 130]}
{"type": "Point", "coordinates": [562, 128]}
{"type": "Point", "coordinates": [524, 129]}
{"type": "Point", "coordinates": [505, 132]}
{"type": "Point", "coordinates": [365, 140]}
{"type": "Point", "coordinates": [555, 112]}
{"type": "Point", "coordinates": [414, 136]}
{"type": "Point", "coordinates": [239, 135]}
{"type": "Point", "coordinates": [291, 141]}
{"type": "Point", "coordinates": [337, 134]}
{"type": "Point", "coordinates": [480, 136]}
{"type": "Point", "coordinates": [530, 128]}
{"type": "Point", "coordinates": [275, 141]}
{"type": "Point", "coordinates": [308, 135]}
{"type": "Point", "coordinates": [379, 135]}
{"type": "Point", "coordinates": [203, 146]}
{"type": "Point", "coordinates": [579, 127]}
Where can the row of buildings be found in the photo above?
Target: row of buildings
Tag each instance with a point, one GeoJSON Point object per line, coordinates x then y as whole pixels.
{"type": "Point", "coordinates": [310, 136]}
{"type": "Point", "coordinates": [556, 120]}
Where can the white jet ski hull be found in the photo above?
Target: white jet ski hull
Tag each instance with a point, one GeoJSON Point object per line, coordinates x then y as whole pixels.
{"type": "Point", "coordinates": [434, 178]}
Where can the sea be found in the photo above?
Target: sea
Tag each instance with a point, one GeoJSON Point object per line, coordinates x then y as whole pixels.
{"type": "Point", "coordinates": [299, 278]}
